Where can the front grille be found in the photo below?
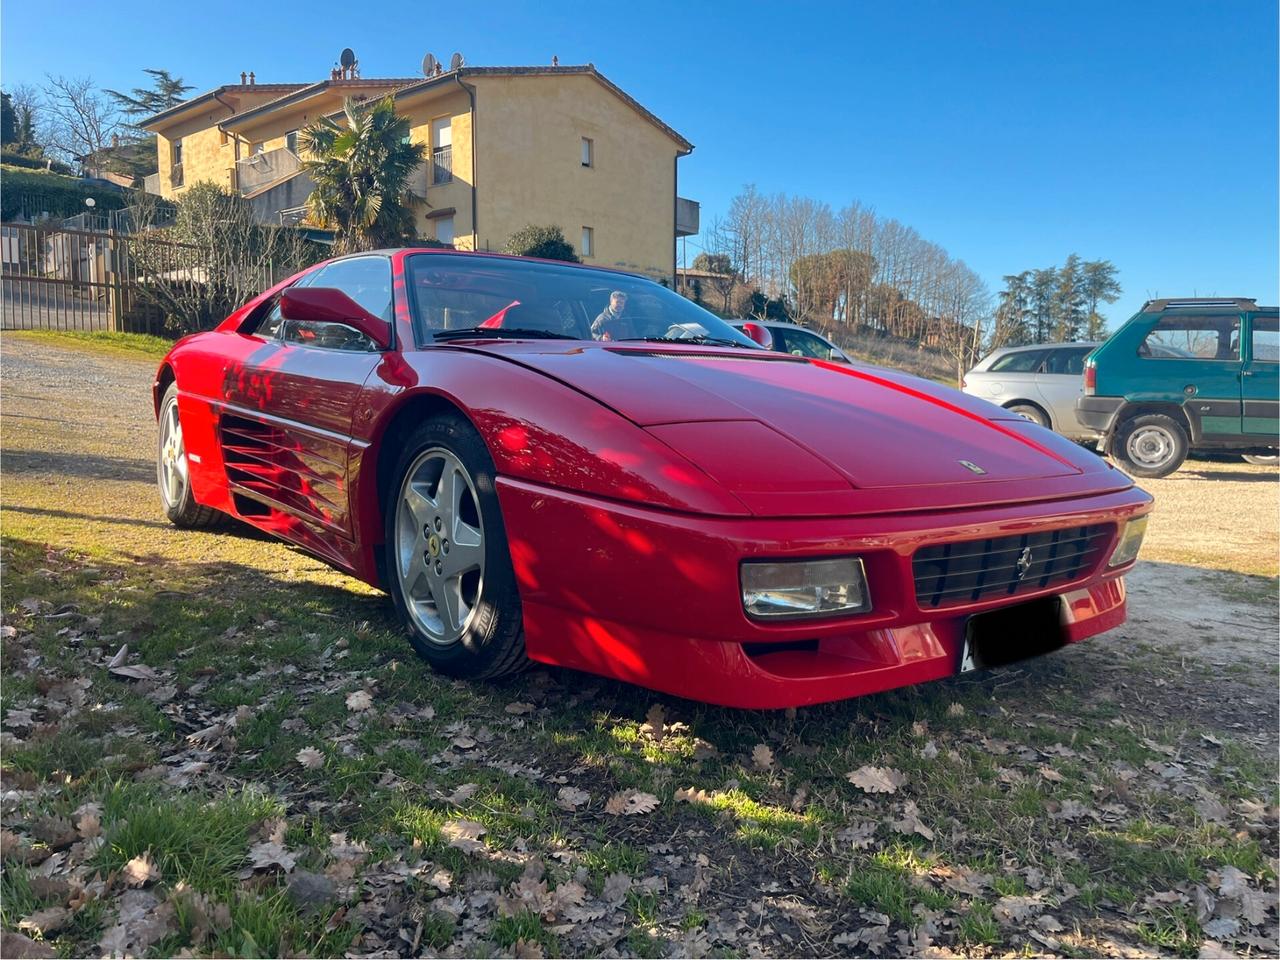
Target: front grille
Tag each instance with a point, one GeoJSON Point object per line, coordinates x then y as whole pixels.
{"type": "Point", "coordinates": [974, 570]}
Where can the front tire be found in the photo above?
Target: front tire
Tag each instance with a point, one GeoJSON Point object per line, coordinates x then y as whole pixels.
{"type": "Point", "coordinates": [173, 471]}
{"type": "Point", "coordinates": [448, 566]}
{"type": "Point", "coordinates": [1150, 445]}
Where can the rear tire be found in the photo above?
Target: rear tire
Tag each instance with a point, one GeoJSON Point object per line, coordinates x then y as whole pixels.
{"type": "Point", "coordinates": [1150, 445]}
{"type": "Point", "coordinates": [1029, 411]}
{"type": "Point", "coordinates": [448, 565]}
{"type": "Point", "coordinates": [173, 470]}
{"type": "Point", "coordinates": [1261, 459]}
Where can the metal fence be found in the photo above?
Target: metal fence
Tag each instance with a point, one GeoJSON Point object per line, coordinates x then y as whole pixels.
{"type": "Point", "coordinates": [57, 278]}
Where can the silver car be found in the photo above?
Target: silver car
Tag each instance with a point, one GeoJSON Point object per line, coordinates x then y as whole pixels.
{"type": "Point", "coordinates": [797, 340]}
{"type": "Point", "coordinates": [1040, 382]}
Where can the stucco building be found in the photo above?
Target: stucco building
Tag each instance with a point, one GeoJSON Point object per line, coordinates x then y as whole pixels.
{"type": "Point", "coordinates": [507, 146]}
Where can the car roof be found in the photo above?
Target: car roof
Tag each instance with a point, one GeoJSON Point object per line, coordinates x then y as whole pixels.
{"type": "Point", "coordinates": [1024, 347]}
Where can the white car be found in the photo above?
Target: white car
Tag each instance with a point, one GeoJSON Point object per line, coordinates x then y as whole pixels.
{"type": "Point", "coordinates": [1040, 382]}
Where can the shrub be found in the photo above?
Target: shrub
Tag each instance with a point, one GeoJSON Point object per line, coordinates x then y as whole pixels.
{"type": "Point", "coordinates": [546, 242]}
{"type": "Point", "coordinates": [32, 192]}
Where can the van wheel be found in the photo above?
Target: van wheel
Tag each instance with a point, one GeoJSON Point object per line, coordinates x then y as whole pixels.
{"type": "Point", "coordinates": [1150, 445]}
{"type": "Point", "coordinates": [1029, 411]}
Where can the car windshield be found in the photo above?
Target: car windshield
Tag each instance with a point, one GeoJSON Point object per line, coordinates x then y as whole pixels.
{"type": "Point", "coordinates": [451, 294]}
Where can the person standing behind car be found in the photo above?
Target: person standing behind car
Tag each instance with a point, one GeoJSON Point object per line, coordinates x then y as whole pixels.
{"type": "Point", "coordinates": [611, 324]}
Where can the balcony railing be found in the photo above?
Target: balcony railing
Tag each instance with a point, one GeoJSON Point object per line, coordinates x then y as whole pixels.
{"type": "Point", "coordinates": [441, 165]}
{"type": "Point", "coordinates": [255, 172]}
{"type": "Point", "coordinates": [151, 183]}
{"type": "Point", "coordinates": [687, 217]}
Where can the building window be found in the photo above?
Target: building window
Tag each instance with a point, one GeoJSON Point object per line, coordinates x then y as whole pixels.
{"type": "Point", "coordinates": [291, 142]}
{"type": "Point", "coordinates": [441, 151]}
{"type": "Point", "coordinates": [588, 152]}
{"type": "Point", "coordinates": [257, 148]}
{"type": "Point", "coordinates": [444, 229]}
{"type": "Point", "coordinates": [223, 137]}
{"type": "Point", "coordinates": [588, 242]}
{"type": "Point", "coordinates": [176, 151]}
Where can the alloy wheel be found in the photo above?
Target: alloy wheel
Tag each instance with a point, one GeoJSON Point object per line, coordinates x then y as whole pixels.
{"type": "Point", "coordinates": [439, 545]}
{"type": "Point", "coordinates": [173, 457]}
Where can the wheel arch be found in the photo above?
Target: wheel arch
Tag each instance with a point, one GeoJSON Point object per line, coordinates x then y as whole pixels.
{"type": "Point", "coordinates": [1048, 417]}
{"type": "Point", "coordinates": [1176, 411]}
{"type": "Point", "coordinates": [375, 474]}
{"type": "Point", "coordinates": [164, 377]}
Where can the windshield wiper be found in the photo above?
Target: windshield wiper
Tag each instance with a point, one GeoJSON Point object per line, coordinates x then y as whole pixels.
{"type": "Point", "coordinates": [698, 338]}
{"type": "Point", "coordinates": [499, 333]}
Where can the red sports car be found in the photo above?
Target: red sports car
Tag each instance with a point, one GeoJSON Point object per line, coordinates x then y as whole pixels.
{"type": "Point", "coordinates": [540, 461]}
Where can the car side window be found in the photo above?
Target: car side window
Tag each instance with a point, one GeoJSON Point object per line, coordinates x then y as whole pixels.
{"type": "Point", "coordinates": [1067, 362]}
{"type": "Point", "coordinates": [367, 281]}
{"type": "Point", "coordinates": [1193, 338]}
{"type": "Point", "coordinates": [1265, 340]}
{"type": "Point", "coordinates": [802, 344]}
{"type": "Point", "coordinates": [1022, 361]}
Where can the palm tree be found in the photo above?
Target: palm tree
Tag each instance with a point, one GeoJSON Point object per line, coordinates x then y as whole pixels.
{"type": "Point", "coordinates": [361, 172]}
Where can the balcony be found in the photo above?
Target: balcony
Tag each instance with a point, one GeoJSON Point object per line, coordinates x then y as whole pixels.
{"type": "Point", "coordinates": [151, 184]}
{"type": "Point", "coordinates": [255, 172]}
{"type": "Point", "coordinates": [441, 165]}
{"type": "Point", "coordinates": [687, 217]}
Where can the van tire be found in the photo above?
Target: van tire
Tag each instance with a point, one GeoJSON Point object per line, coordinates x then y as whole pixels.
{"type": "Point", "coordinates": [1150, 445]}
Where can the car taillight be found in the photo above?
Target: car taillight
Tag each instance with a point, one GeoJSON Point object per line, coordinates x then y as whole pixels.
{"type": "Point", "coordinates": [1090, 379]}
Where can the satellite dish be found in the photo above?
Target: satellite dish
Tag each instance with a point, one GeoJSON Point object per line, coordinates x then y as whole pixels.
{"type": "Point", "coordinates": [348, 57]}
{"type": "Point", "coordinates": [429, 65]}
{"type": "Point", "coordinates": [455, 61]}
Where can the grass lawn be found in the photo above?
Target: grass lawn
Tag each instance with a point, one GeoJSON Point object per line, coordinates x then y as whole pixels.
{"type": "Point", "coordinates": [213, 743]}
{"type": "Point", "coordinates": [100, 341]}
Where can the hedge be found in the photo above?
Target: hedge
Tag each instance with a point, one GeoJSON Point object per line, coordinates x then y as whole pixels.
{"type": "Point", "coordinates": [31, 192]}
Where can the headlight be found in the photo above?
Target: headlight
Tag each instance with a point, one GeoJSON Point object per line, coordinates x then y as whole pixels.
{"type": "Point", "coordinates": [804, 588]}
{"type": "Point", "coordinates": [1126, 550]}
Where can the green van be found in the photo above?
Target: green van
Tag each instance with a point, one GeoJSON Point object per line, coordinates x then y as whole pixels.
{"type": "Point", "coordinates": [1185, 375]}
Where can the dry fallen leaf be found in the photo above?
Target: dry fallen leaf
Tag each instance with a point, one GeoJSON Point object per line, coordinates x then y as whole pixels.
{"type": "Point", "coordinates": [45, 923]}
{"type": "Point", "coordinates": [762, 757]}
{"type": "Point", "coordinates": [655, 722]}
{"type": "Point", "coordinates": [690, 795]}
{"type": "Point", "coordinates": [571, 798]}
{"type": "Point", "coordinates": [615, 888]}
{"type": "Point", "coordinates": [462, 794]}
{"type": "Point", "coordinates": [628, 803]}
{"type": "Point", "coordinates": [269, 854]}
{"type": "Point", "coordinates": [464, 834]}
{"type": "Point", "coordinates": [910, 822]}
{"type": "Point", "coordinates": [311, 758]}
{"type": "Point", "coordinates": [518, 709]}
{"type": "Point", "coordinates": [877, 779]}
{"type": "Point", "coordinates": [359, 700]}
{"type": "Point", "coordinates": [140, 870]}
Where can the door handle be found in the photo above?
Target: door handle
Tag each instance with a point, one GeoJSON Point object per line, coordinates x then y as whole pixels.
{"type": "Point", "coordinates": [1246, 373]}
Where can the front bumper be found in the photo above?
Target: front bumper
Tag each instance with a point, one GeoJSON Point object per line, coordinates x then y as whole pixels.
{"type": "Point", "coordinates": [1098, 413]}
{"type": "Point", "coordinates": [653, 598]}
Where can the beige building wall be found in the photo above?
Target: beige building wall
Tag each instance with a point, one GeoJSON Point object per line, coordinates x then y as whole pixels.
{"type": "Point", "coordinates": [207, 153]}
{"type": "Point", "coordinates": [529, 132]}
{"type": "Point", "coordinates": [422, 110]}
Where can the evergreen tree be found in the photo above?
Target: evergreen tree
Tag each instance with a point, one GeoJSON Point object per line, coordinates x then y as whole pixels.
{"type": "Point", "coordinates": [1099, 285]}
{"type": "Point", "coordinates": [165, 91]}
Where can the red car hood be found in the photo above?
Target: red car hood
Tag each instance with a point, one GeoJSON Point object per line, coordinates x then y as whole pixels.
{"type": "Point", "coordinates": [785, 428]}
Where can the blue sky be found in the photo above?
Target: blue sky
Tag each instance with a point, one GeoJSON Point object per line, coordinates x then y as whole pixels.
{"type": "Point", "coordinates": [1011, 133]}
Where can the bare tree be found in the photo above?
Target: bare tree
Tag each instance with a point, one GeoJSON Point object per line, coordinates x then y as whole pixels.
{"type": "Point", "coordinates": [81, 120]}
{"type": "Point", "coordinates": [209, 258]}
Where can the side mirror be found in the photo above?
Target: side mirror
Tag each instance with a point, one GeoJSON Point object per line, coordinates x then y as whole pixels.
{"type": "Point", "coordinates": [331, 305]}
{"type": "Point", "coordinates": [759, 334]}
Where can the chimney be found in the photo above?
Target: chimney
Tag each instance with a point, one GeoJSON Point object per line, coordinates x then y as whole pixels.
{"type": "Point", "coordinates": [243, 78]}
{"type": "Point", "coordinates": [252, 81]}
